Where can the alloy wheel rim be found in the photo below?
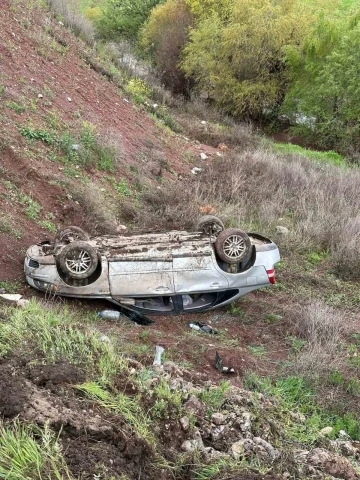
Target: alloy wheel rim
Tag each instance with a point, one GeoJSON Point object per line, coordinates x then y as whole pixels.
{"type": "Point", "coordinates": [79, 263]}
{"type": "Point", "coordinates": [234, 247]}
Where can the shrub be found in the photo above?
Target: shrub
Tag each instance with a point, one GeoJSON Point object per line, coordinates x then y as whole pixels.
{"type": "Point", "coordinates": [124, 18]}
{"type": "Point", "coordinates": [72, 18]}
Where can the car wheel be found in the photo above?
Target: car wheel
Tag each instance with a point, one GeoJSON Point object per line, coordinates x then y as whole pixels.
{"type": "Point", "coordinates": [78, 260]}
{"type": "Point", "coordinates": [71, 234]}
{"type": "Point", "coordinates": [232, 245]}
{"type": "Point", "coordinates": [210, 225]}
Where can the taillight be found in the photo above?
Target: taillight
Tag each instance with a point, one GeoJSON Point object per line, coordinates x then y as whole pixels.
{"type": "Point", "coordinates": [271, 275]}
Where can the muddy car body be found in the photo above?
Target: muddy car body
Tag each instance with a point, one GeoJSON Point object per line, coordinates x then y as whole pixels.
{"type": "Point", "coordinates": [163, 273]}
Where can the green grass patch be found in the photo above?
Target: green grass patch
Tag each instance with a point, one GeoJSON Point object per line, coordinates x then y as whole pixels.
{"type": "Point", "coordinates": [329, 157]}
{"type": "Point", "coordinates": [16, 107]}
{"type": "Point", "coordinates": [214, 397]}
{"type": "Point", "coordinates": [28, 452]}
{"type": "Point", "coordinates": [7, 225]}
{"type": "Point", "coordinates": [10, 287]}
{"type": "Point", "coordinates": [295, 394]}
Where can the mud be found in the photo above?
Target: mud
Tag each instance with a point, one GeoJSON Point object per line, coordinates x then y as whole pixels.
{"type": "Point", "coordinates": [94, 442]}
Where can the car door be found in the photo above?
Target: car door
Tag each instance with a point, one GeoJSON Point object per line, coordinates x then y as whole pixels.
{"type": "Point", "coordinates": [196, 274]}
{"type": "Point", "coordinates": [143, 278]}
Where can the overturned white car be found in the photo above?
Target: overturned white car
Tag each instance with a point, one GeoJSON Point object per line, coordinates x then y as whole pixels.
{"type": "Point", "coordinates": [158, 273]}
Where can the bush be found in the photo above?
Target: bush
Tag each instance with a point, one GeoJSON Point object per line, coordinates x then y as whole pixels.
{"type": "Point", "coordinates": [123, 18]}
{"type": "Point", "coordinates": [72, 18]}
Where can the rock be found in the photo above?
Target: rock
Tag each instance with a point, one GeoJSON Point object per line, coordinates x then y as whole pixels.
{"type": "Point", "coordinates": [342, 435]}
{"type": "Point", "coordinates": [325, 432]}
{"type": "Point", "coordinates": [282, 230]}
{"type": "Point", "coordinates": [40, 95]}
{"type": "Point", "coordinates": [105, 339]}
{"type": "Point", "coordinates": [75, 147]}
{"type": "Point", "coordinates": [196, 170]}
{"type": "Point", "coordinates": [237, 449]}
{"type": "Point", "coordinates": [219, 432]}
{"type": "Point", "coordinates": [218, 418]}
{"type": "Point", "coordinates": [185, 423]}
{"type": "Point", "coordinates": [194, 406]}
{"type": "Point", "coordinates": [69, 99]}
{"type": "Point", "coordinates": [22, 303]}
{"type": "Point", "coordinates": [187, 446]}
{"type": "Point", "coordinates": [219, 154]}
{"type": "Point", "coordinates": [298, 417]}
{"type": "Point", "coordinates": [203, 156]}
{"type": "Point", "coordinates": [155, 105]}
{"type": "Point", "coordinates": [346, 448]}
{"type": "Point", "coordinates": [203, 122]}
{"type": "Point", "coordinates": [271, 452]}
{"type": "Point", "coordinates": [332, 464]}
{"type": "Point", "coordinates": [246, 422]}
{"type": "Point", "coordinates": [10, 297]}
{"type": "Point", "coordinates": [121, 228]}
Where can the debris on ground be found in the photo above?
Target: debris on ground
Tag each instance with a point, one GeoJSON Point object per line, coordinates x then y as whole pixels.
{"type": "Point", "coordinates": [126, 313]}
{"type": "Point", "coordinates": [219, 365]}
{"type": "Point", "coordinates": [203, 327]}
{"type": "Point", "coordinates": [158, 352]}
{"type": "Point", "coordinates": [14, 299]}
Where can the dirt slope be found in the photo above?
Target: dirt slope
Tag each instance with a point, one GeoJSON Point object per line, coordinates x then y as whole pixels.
{"type": "Point", "coordinates": [46, 82]}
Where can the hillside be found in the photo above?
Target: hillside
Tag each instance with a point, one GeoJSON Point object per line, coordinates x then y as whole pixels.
{"type": "Point", "coordinates": [82, 144]}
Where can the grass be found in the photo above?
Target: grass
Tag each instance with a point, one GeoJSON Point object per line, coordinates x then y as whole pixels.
{"type": "Point", "coordinates": [32, 207]}
{"type": "Point", "coordinates": [214, 397]}
{"type": "Point", "coordinates": [128, 407]}
{"type": "Point", "coordinates": [10, 287]}
{"type": "Point", "coordinates": [329, 157]}
{"type": "Point", "coordinates": [7, 225]}
{"type": "Point", "coordinates": [28, 452]}
{"type": "Point", "coordinates": [295, 394]}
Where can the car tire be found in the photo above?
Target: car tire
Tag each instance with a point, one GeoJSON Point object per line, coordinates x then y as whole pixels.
{"type": "Point", "coordinates": [232, 245]}
{"type": "Point", "coordinates": [78, 260]}
{"type": "Point", "coordinates": [210, 225]}
{"type": "Point", "coordinates": [71, 234]}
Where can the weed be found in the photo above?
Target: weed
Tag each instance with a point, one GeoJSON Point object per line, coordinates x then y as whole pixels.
{"type": "Point", "coordinates": [335, 378]}
{"type": "Point", "coordinates": [38, 134]}
{"type": "Point", "coordinates": [297, 344]}
{"type": "Point", "coordinates": [317, 257]}
{"type": "Point", "coordinates": [257, 350]}
{"type": "Point", "coordinates": [214, 397]}
{"type": "Point", "coordinates": [272, 318]}
{"type": "Point", "coordinates": [32, 207]}
{"type": "Point", "coordinates": [10, 287]}
{"type": "Point", "coordinates": [30, 452]}
{"type": "Point", "coordinates": [121, 187]}
{"type": "Point", "coordinates": [329, 157]}
{"type": "Point", "coordinates": [48, 225]}
{"type": "Point", "coordinates": [2, 90]}
{"type": "Point", "coordinates": [7, 226]}
{"type": "Point", "coordinates": [138, 89]}
{"type": "Point", "coordinates": [128, 407]}
{"type": "Point", "coordinates": [236, 310]}
{"type": "Point", "coordinates": [16, 107]}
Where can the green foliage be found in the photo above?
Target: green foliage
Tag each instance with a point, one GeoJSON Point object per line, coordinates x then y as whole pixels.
{"type": "Point", "coordinates": [32, 207]}
{"type": "Point", "coordinates": [37, 134]}
{"type": "Point", "coordinates": [28, 453]}
{"type": "Point", "coordinates": [214, 397]}
{"type": "Point", "coordinates": [8, 225]}
{"type": "Point", "coordinates": [164, 37]}
{"type": "Point", "coordinates": [16, 107]}
{"type": "Point", "coordinates": [325, 82]}
{"type": "Point", "coordinates": [138, 89]}
{"type": "Point", "coordinates": [128, 407]}
{"type": "Point", "coordinates": [10, 287]}
{"type": "Point", "coordinates": [123, 18]}
{"type": "Point", "coordinates": [329, 157]}
{"type": "Point", "coordinates": [238, 57]}
{"type": "Point", "coordinates": [295, 394]}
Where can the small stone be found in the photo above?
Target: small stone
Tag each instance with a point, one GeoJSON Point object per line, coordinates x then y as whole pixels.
{"type": "Point", "coordinates": [203, 122]}
{"type": "Point", "coordinates": [105, 339]}
{"type": "Point", "coordinates": [298, 417]}
{"type": "Point", "coordinates": [187, 446]}
{"type": "Point", "coordinates": [40, 95]}
{"type": "Point", "coordinates": [325, 432]}
{"type": "Point", "coordinates": [185, 423]}
{"type": "Point", "coordinates": [342, 435]}
{"type": "Point", "coordinates": [69, 99]}
{"type": "Point", "coordinates": [282, 230]}
{"type": "Point", "coordinates": [75, 147]}
{"type": "Point", "coordinates": [219, 154]}
{"type": "Point", "coordinates": [125, 100]}
{"type": "Point", "coordinates": [121, 228]}
{"type": "Point", "coordinates": [218, 418]}
{"type": "Point", "coordinates": [22, 303]}
{"type": "Point", "coordinates": [203, 156]}
{"type": "Point", "coordinates": [196, 170]}
{"type": "Point", "coordinates": [237, 449]}
{"type": "Point", "coordinates": [194, 406]}
{"type": "Point", "coordinates": [155, 105]}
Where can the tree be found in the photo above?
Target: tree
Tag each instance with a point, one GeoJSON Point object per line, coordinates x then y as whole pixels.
{"type": "Point", "coordinates": [237, 55]}
{"type": "Point", "coordinates": [326, 85]}
{"type": "Point", "coordinates": [124, 18]}
{"type": "Point", "coordinates": [164, 36]}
